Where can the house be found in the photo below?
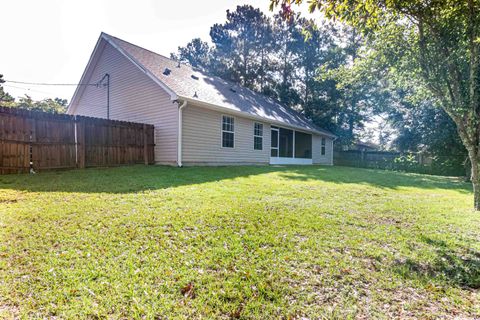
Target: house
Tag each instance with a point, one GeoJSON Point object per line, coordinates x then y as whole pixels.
{"type": "Point", "coordinates": [199, 119]}
{"type": "Point", "coordinates": [362, 146]}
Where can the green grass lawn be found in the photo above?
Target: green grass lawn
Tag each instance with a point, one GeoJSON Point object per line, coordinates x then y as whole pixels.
{"type": "Point", "coordinates": [237, 242]}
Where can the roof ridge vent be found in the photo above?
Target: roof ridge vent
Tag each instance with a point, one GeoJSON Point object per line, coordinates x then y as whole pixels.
{"type": "Point", "coordinates": [167, 71]}
{"type": "Point", "coordinates": [233, 90]}
{"type": "Point", "coordinates": [194, 77]}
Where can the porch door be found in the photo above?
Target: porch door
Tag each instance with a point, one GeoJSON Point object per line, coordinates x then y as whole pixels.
{"type": "Point", "coordinates": [274, 142]}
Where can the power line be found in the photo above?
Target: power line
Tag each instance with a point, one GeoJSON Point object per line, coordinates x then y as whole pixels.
{"type": "Point", "coordinates": [27, 89]}
{"type": "Point", "coordinates": [53, 84]}
{"type": "Point", "coordinates": [97, 84]}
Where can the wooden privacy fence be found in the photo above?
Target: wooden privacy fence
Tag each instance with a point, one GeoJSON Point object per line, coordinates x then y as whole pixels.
{"type": "Point", "coordinates": [365, 159]}
{"type": "Point", "coordinates": [41, 141]}
{"type": "Point", "coordinates": [451, 165]}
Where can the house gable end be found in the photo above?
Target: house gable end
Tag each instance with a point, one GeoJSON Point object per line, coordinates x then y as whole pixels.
{"type": "Point", "coordinates": [103, 40]}
{"type": "Point", "coordinates": [133, 96]}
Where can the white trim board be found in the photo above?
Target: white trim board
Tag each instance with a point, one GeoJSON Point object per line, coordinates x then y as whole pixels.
{"type": "Point", "coordinates": [300, 161]}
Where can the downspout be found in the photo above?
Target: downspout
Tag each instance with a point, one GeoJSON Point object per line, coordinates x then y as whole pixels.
{"type": "Point", "coordinates": [333, 140]}
{"type": "Point", "coordinates": [179, 140]}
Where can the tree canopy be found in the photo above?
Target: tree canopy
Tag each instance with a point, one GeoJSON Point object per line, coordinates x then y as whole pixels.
{"type": "Point", "coordinates": [55, 105]}
{"type": "Point", "coordinates": [430, 44]}
{"type": "Point", "coordinates": [286, 59]}
{"type": "Point", "coordinates": [6, 99]}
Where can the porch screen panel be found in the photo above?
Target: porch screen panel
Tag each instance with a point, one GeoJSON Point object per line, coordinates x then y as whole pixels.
{"type": "Point", "coordinates": [303, 145]}
{"type": "Point", "coordinates": [286, 143]}
{"type": "Point", "coordinates": [274, 143]}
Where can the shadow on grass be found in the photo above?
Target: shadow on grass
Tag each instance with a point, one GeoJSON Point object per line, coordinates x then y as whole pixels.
{"type": "Point", "coordinates": [142, 178]}
{"type": "Point", "coordinates": [459, 268]}
{"type": "Point", "coordinates": [378, 178]}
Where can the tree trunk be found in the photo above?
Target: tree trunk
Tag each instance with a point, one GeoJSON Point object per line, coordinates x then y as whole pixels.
{"type": "Point", "coordinates": [474, 177]}
{"type": "Point", "coordinates": [474, 96]}
{"type": "Point", "coordinates": [351, 116]}
{"type": "Point", "coordinates": [262, 72]}
{"type": "Point", "coordinates": [468, 169]}
{"type": "Point", "coordinates": [350, 125]}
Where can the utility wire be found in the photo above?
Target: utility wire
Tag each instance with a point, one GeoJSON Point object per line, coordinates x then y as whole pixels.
{"type": "Point", "coordinates": [27, 89]}
{"type": "Point", "coordinates": [53, 84]}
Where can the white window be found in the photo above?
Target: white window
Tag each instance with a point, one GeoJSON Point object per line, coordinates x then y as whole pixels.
{"type": "Point", "coordinates": [258, 136]}
{"type": "Point", "coordinates": [228, 132]}
{"type": "Point", "coordinates": [323, 146]}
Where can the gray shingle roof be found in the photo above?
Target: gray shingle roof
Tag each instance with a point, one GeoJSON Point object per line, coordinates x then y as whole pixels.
{"type": "Point", "coordinates": [194, 84]}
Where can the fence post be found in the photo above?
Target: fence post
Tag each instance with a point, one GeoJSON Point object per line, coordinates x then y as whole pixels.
{"type": "Point", "coordinates": [80, 128]}
{"type": "Point", "coordinates": [33, 151]}
{"type": "Point", "coordinates": [145, 144]}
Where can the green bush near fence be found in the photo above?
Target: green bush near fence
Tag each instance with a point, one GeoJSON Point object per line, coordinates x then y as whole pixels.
{"type": "Point", "coordinates": [442, 166]}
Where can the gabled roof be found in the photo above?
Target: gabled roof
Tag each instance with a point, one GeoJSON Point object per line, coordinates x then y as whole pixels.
{"type": "Point", "coordinates": [367, 144]}
{"type": "Point", "coordinates": [188, 83]}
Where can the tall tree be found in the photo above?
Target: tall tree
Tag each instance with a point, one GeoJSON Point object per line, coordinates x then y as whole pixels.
{"type": "Point", "coordinates": [342, 86]}
{"type": "Point", "coordinates": [6, 100]}
{"type": "Point", "coordinates": [197, 53]}
{"type": "Point", "coordinates": [287, 32]}
{"type": "Point", "coordinates": [265, 80]}
{"type": "Point", "coordinates": [365, 91]}
{"type": "Point", "coordinates": [323, 98]}
{"type": "Point", "coordinates": [285, 59]}
{"type": "Point", "coordinates": [237, 43]}
{"type": "Point", "coordinates": [352, 89]}
{"type": "Point", "coordinates": [441, 40]}
{"type": "Point", "coordinates": [429, 129]}
{"type": "Point", "coordinates": [55, 105]}
{"type": "Point", "coordinates": [314, 45]}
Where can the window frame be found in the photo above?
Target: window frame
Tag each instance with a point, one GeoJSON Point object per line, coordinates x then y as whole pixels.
{"type": "Point", "coordinates": [323, 146]}
{"type": "Point", "coordinates": [256, 136]}
{"type": "Point", "coordinates": [227, 131]}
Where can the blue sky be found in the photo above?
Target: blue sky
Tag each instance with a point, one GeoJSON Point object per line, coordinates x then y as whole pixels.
{"type": "Point", "coordinates": [51, 41]}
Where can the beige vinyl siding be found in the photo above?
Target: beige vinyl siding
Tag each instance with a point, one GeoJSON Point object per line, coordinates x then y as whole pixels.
{"type": "Point", "coordinates": [133, 97]}
{"type": "Point", "coordinates": [317, 157]}
{"type": "Point", "coordinates": [202, 139]}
